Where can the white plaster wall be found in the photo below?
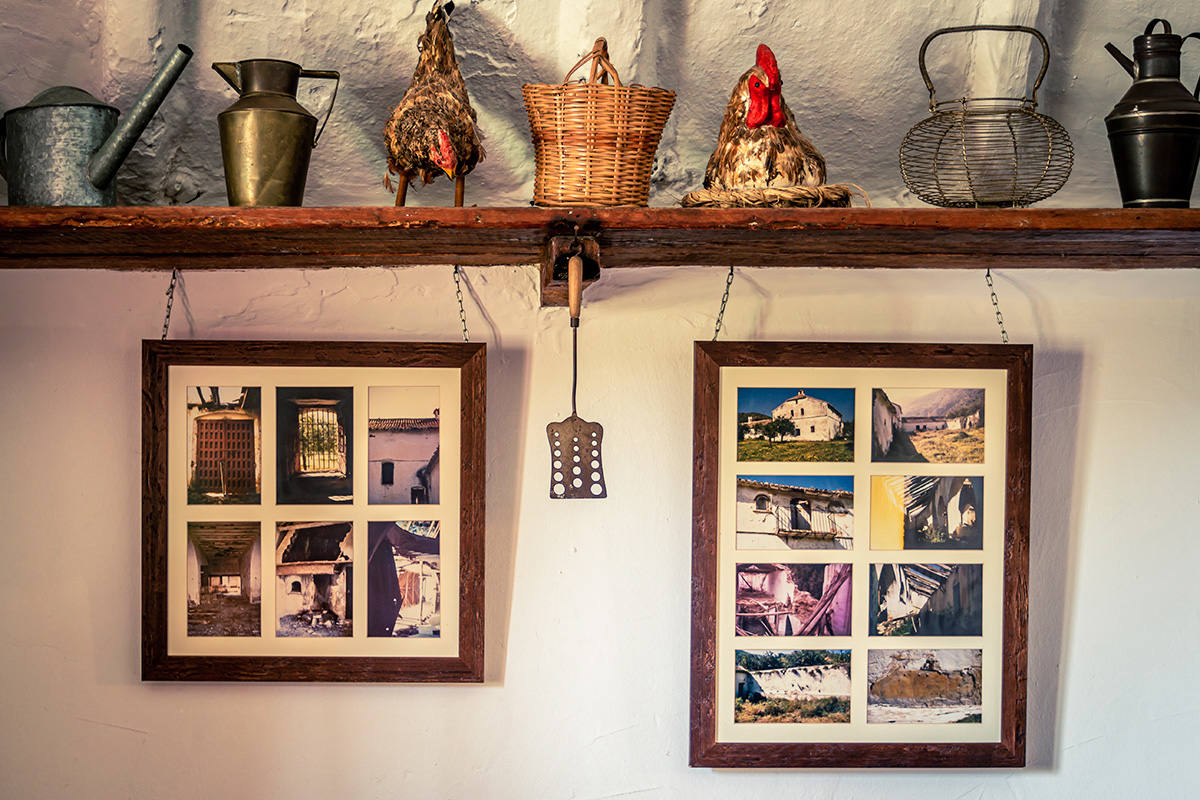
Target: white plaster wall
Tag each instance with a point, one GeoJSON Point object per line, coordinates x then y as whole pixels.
{"type": "Point", "coordinates": [587, 603]}
{"type": "Point", "coordinates": [850, 74]}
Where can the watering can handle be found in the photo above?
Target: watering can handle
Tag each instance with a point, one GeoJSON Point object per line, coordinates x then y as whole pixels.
{"type": "Point", "coordinates": [1196, 93]}
{"type": "Point", "coordinates": [965, 28]}
{"type": "Point", "coordinates": [324, 74]}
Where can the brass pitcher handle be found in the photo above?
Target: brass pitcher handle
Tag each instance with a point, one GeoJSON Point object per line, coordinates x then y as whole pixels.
{"type": "Point", "coordinates": [1196, 93]}
{"type": "Point", "coordinates": [324, 74]}
{"type": "Point", "coordinates": [1032, 99]}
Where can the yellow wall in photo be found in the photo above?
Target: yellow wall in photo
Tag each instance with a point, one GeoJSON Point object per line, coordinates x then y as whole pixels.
{"type": "Point", "coordinates": [887, 513]}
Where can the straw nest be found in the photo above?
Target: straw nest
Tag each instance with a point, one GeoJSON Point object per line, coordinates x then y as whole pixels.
{"type": "Point", "coordinates": [833, 195]}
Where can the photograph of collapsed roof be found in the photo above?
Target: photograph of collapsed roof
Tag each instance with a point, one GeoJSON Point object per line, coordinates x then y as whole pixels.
{"type": "Point", "coordinates": [314, 584]}
{"type": "Point", "coordinates": [793, 600]}
{"type": "Point", "coordinates": [404, 586]}
{"type": "Point", "coordinates": [926, 600]}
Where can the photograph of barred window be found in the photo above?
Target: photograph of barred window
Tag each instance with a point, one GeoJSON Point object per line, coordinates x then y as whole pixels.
{"type": "Point", "coordinates": [315, 445]}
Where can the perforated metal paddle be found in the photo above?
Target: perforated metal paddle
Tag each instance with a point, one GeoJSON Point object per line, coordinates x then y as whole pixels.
{"type": "Point", "coordinates": [577, 470]}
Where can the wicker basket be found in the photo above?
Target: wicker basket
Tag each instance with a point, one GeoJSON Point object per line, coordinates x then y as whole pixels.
{"type": "Point", "coordinates": [594, 144]}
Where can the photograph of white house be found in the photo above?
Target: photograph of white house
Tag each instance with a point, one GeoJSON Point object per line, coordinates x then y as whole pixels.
{"type": "Point", "coordinates": [797, 512]}
{"type": "Point", "coordinates": [795, 424]}
{"type": "Point", "coordinates": [403, 445]}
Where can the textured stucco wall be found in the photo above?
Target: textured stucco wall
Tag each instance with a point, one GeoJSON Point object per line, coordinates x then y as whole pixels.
{"type": "Point", "coordinates": [850, 74]}
{"type": "Point", "coordinates": [587, 603]}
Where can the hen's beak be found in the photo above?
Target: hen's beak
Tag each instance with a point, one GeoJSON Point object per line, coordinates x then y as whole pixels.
{"type": "Point", "coordinates": [449, 172]}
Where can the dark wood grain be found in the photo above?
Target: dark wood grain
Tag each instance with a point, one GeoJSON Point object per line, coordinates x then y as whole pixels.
{"type": "Point", "coordinates": [189, 237]}
{"type": "Point", "coordinates": [1017, 362]}
{"type": "Point", "coordinates": [158, 664]}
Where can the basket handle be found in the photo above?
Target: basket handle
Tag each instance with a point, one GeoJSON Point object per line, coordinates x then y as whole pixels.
{"type": "Point", "coordinates": [602, 68]}
{"type": "Point", "coordinates": [1032, 100]}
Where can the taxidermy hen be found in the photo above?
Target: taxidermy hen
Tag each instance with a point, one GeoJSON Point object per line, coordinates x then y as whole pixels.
{"type": "Point", "coordinates": [432, 130]}
{"type": "Point", "coordinates": [759, 145]}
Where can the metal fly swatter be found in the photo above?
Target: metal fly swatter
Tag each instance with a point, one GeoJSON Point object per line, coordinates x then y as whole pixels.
{"type": "Point", "coordinates": [576, 468]}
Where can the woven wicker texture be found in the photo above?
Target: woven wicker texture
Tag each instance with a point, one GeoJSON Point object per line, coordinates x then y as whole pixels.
{"type": "Point", "coordinates": [594, 143]}
{"type": "Point", "coordinates": [834, 195]}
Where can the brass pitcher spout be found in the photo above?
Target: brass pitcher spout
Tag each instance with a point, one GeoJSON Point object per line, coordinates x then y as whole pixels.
{"type": "Point", "coordinates": [230, 72]}
{"type": "Point", "coordinates": [1122, 59]}
{"type": "Point", "coordinates": [104, 163]}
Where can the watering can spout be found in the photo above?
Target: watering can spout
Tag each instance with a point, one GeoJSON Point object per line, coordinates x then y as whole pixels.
{"type": "Point", "coordinates": [1122, 59]}
{"type": "Point", "coordinates": [104, 163]}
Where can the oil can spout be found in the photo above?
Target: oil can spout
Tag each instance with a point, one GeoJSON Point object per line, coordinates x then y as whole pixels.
{"type": "Point", "coordinates": [1122, 59]}
{"type": "Point", "coordinates": [105, 161]}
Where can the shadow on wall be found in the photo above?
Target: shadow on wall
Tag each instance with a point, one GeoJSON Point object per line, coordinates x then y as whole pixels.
{"type": "Point", "coordinates": [508, 381]}
{"type": "Point", "coordinates": [1053, 544]}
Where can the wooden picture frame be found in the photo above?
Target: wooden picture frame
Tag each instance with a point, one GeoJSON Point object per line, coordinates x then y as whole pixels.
{"type": "Point", "coordinates": [329, 455]}
{"type": "Point", "coordinates": [805, 606]}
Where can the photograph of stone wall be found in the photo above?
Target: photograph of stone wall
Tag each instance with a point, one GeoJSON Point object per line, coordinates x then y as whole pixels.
{"type": "Point", "coordinates": [935, 686]}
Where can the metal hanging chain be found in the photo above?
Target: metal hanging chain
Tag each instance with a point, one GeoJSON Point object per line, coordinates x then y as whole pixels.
{"type": "Point", "coordinates": [724, 302]}
{"type": "Point", "coordinates": [170, 302]}
{"type": "Point", "coordinates": [987, 276]}
{"type": "Point", "coordinates": [462, 313]}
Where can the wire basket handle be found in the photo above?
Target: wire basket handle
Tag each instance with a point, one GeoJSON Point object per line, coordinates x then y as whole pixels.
{"type": "Point", "coordinates": [1032, 100]}
{"type": "Point", "coordinates": [602, 68]}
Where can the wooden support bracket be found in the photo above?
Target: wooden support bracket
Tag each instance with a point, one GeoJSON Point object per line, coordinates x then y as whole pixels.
{"type": "Point", "coordinates": [559, 248]}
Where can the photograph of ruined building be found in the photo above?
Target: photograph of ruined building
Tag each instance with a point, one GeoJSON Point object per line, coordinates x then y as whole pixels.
{"type": "Point", "coordinates": [793, 600]}
{"type": "Point", "coordinates": [224, 444]}
{"type": "Point", "coordinates": [314, 449]}
{"type": "Point", "coordinates": [925, 685]}
{"type": "Point", "coordinates": [926, 513]}
{"type": "Point", "coordinates": [795, 424]}
{"type": "Point", "coordinates": [403, 464]}
{"type": "Point", "coordinates": [224, 579]}
{"type": "Point", "coordinates": [792, 686]}
{"type": "Point", "coordinates": [404, 579]}
{"type": "Point", "coordinates": [940, 426]}
{"type": "Point", "coordinates": [314, 579]}
{"type": "Point", "coordinates": [796, 512]}
{"type": "Point", "coordinates": [926, 600]}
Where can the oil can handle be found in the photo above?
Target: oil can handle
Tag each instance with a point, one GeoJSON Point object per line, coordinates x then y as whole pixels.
{"type": "Point", "coordinates": [1196, 92]}
{"type": "Point", "coordinates": [1032, 99]}
{"type": "Point", "coordinates": [324, 74]}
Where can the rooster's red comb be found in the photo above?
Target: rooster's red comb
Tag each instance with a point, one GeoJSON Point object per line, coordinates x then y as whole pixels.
{"type": "Point", "coordinates": [766, 62]}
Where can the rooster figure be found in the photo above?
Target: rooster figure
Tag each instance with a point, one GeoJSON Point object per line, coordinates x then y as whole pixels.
{"type": "Point", "coordinates": [433, 129]}
{"type": "Point", "coordinates": [759, 145]}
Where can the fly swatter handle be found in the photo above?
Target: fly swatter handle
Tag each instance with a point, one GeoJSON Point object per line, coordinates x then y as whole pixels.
{"type": "Point", "coordinates": [574, 287]}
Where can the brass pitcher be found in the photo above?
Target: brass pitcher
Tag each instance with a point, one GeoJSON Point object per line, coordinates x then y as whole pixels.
{"type": "Point", "coordinates": [266, 136]}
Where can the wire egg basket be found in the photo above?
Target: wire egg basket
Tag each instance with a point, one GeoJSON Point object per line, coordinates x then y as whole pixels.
{"type": "Point", "coordinates": [988, 151]}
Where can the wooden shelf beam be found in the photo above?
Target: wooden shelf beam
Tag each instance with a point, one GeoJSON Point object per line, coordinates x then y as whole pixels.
{"type": "Point", "coordinates": [188, 237]}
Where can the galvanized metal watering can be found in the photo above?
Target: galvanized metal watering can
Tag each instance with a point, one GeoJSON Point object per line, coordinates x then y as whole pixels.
{"type": "Point", "coordinates": [64, 148]}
